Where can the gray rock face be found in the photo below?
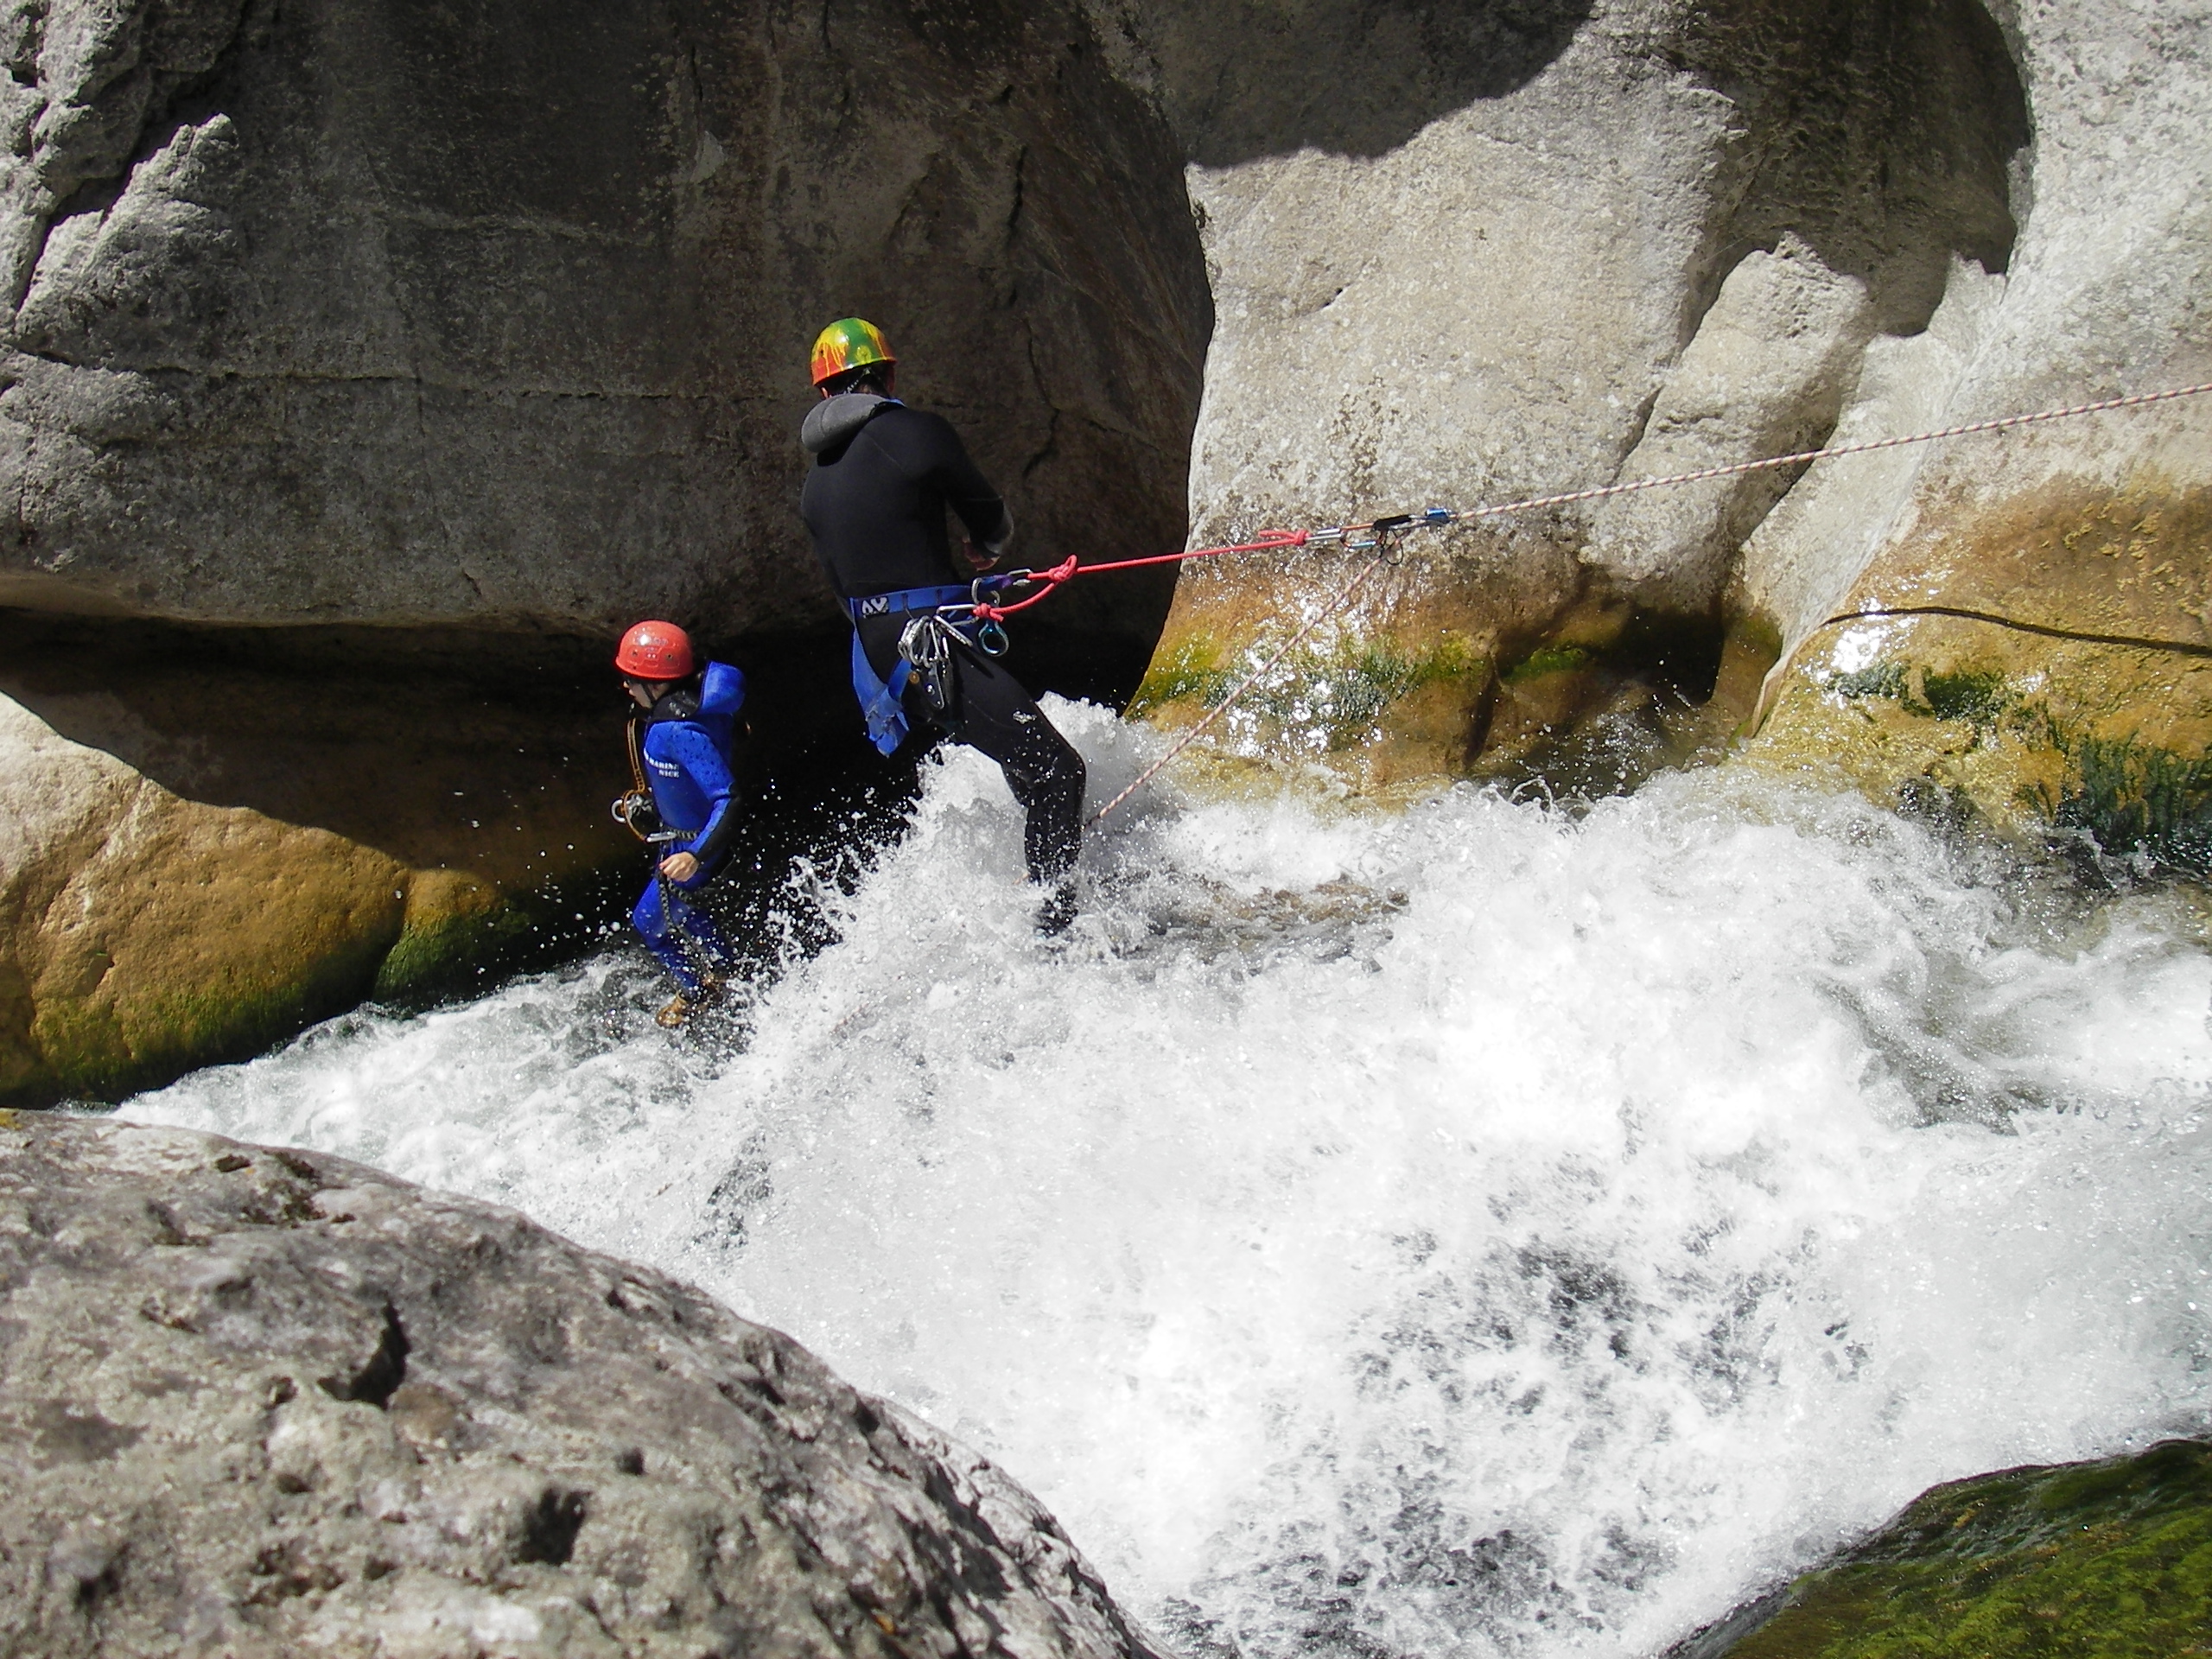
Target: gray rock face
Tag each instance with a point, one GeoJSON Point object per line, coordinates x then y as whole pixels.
{"type": "Point", "coordinates": [499, 314]}
{"type": "Point", "coordinates": [2061, 571]}
{"type": "Point", "coordinates": [1473, 254]}
{"type": "Point", "coordinates": [2109, 293]}
{"type": "Point", "coordinates": [1468, 253]}
{"type": "Point", "coordinates": [265, 1403]}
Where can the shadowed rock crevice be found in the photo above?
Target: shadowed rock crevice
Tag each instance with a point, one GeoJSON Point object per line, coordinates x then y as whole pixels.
{"type": "Point", "coordinates": [1257, 78]}
{"type": "Point", "coordinates": [1884, 135]}
{"type": "Point", "coordinates": [1871, 154]}
{"type": "Point", "coordinates": [550, 1524]}
{"type": "Point", "coordinates": [380, 1379]}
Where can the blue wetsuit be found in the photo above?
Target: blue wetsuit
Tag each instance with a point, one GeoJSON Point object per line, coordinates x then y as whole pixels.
{"type": "Point", "coordinates": [685, 749]}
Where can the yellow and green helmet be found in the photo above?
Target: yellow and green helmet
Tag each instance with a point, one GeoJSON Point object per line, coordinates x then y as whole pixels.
{"type": "Point", "coordinates": [849, 343]}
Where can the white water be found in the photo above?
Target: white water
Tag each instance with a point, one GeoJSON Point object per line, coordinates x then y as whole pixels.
{"type": "Point", "coordinates": [1536, 1262]}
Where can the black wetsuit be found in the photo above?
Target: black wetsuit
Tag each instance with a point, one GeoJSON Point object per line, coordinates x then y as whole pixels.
{"type": "Point", "coordinates": [874, 502]}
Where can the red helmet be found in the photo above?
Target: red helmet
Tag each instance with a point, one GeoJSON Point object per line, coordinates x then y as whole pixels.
{"type": "Point", "coordinates": [655, 651]}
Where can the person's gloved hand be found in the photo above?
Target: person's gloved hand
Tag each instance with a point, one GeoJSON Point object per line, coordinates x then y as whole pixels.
{"type": "Point", "coordinates": [679, 867]}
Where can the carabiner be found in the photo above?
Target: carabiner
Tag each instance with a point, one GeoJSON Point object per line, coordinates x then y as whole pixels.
{"type": "Point", "coordinates": [1387, 546]}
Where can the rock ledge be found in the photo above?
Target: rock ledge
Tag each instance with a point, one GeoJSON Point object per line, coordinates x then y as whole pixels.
{"type": "Point", "coordinates": [261, 1401]}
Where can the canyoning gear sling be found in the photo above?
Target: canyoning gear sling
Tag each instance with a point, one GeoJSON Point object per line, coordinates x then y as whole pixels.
{"type": "Point", "coordinates": [655, 652]}
{"type": "Point", "coordinates": [634, 809]}
{"type": "Point", "coordinates": [941, 616]}
{"type": "Point", "coordinates": [847, 344]}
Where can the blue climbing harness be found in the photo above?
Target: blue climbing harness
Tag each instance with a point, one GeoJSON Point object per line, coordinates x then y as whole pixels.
{"type": "Point", "coordinates": [879, 698]}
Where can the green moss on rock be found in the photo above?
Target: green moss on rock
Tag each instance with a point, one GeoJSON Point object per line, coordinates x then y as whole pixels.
{"type": "Point", "coordinates": [1972, 729]}
{"type": "Point", "coordinates": [90, 1049]}
{"type": "Point", "coordinates": [459, 951]}
{"type": "Point", "coordinates": [2098, 1560]}
{"type": "Point", "coordinates": [1331, 698]}
{"type": "Point", "coordinates": [1548, 659]}
{"type": "Point", "coordinates": [2139, 798]}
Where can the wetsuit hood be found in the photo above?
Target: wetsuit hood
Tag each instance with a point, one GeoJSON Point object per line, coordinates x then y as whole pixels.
{"type": "Point", "coordinates": [833, 420]}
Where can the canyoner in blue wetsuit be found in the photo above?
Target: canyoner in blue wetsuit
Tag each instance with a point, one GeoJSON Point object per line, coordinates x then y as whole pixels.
{"type": "Point", "coordinates": [684, 802]}
{"type": "Point", "coordinates": [884, 477]}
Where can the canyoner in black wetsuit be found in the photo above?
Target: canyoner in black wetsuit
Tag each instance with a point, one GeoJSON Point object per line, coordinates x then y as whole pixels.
{"type": "Point", "coordinates": [883, 477]}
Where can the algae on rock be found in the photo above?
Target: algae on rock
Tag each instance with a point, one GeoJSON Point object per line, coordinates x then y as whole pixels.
{"type": "Point", "coordinates": [2050, 667]}
{"type": "Point", "coordinates": [2088, 1561]}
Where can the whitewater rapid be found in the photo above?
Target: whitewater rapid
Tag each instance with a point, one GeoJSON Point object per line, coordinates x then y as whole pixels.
{"type": "Point", "coordinates": [1476, 1230]}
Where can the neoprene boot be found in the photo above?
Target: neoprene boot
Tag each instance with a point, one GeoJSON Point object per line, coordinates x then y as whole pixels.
{"type": "Point", "coordinates": [681, 1006]}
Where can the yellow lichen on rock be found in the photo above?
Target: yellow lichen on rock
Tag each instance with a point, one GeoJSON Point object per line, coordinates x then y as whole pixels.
{"type": "Point", "coordinates": [2046, 662]}
{"type": "Point", "coordinates": [141, 932]}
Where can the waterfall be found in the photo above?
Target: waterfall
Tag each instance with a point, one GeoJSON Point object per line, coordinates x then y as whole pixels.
{"type": "Point", "coordinates": [1475, 1230]}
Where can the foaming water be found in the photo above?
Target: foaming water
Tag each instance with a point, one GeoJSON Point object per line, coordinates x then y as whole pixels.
{"type": "Point", "coordinates": [1465, 1231]}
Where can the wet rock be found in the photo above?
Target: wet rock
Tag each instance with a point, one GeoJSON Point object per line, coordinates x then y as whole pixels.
{"type": "Point", "coordinates": [2084, 1558]}
{"type": "Point", "coordinates": [264, 1403]}
{"type": "Point", "coordinates": [202, 849]}
{"type": "Point", "coordinates": [141, 933]}
{"type": "Point", "coordinates": [2019, 622]}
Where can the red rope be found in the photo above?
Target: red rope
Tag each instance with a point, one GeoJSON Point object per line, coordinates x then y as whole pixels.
{"type": "Point", "coordinates": [1067, 569]}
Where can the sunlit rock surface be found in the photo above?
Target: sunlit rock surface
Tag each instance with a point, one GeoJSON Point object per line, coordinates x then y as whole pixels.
{"type": "Point", "coordinates": [265, 1403]}
{"type": "Point", "coordinates": [1467, 256]}
{"type": "Point", "coordinates": [2076, 687]}
{"type": "Point", "coordinates": [1600, 243]}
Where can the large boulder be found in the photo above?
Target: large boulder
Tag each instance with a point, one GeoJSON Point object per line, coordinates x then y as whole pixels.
{"type": "Point", "coordinates": [268, 1402]}
{"type": "Point", "coordinates": [2034, 644]}
{"type": "Point", "coordinates": [1528, 248]}
{"type": "Point", "coordinates": [368, 330]}
{"type": "Point", "coordinates": [1467, 255]}
{"type": "Point", "coordinates": [141, 933]}
{"type": "Point", "coordinates": [206, 842]}
{"type": "Point", "coordinates": [498, 313]}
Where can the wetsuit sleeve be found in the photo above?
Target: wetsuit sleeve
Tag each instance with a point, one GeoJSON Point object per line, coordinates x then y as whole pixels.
{"type": "Point", "coordinates": [967, 491]}
{"type": "Point", "coordinates": [693, 751]}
